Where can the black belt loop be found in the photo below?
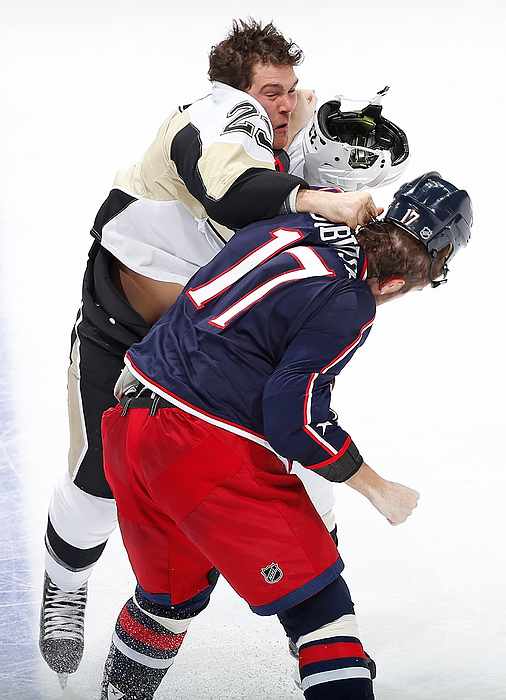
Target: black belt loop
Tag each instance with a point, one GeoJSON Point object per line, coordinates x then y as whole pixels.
{"type": "Point", "coordinates": [154, 405]}
{"type": "Point", "coordinates": [143, 397]}
{"type": "Point", "coordinates": [125, 402]}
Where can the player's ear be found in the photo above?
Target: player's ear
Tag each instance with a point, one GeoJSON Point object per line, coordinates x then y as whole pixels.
{"type": "Point", "coordinates": [392, 285]}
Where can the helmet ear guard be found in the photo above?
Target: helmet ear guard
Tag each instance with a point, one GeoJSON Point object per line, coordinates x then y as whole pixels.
{"type": "Point", "coordinates": [353, 150]}
{"type": "Point", "coordinates": [436, 213]}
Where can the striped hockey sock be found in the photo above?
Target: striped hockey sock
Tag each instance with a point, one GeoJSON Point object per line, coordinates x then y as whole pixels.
{"type": "Point", "coordinates": [142, 651]}
{"type": "Point", "coordinates": [333, 663]}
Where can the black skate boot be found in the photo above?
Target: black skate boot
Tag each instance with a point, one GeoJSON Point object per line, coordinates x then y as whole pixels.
{"type": "Point", "coordinates": [61, 639]}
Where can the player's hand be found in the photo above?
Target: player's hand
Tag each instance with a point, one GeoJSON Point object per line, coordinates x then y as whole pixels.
{"type": "Point", "coordinates": [304, 109]}
{"type": "Point", "coordinates": [351, 208]}
{"type": "Point", "coordinates": [396, 502]}
{"type": "Point", "coordinates": [302, 113]}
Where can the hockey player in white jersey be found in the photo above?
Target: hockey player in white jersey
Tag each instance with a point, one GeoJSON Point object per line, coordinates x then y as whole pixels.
{"type": "Point", "coordinates": [153, 232]}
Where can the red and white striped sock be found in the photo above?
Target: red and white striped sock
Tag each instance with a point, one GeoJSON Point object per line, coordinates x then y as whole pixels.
{"type": "Point", "coordinates": [333, 663]}
{"type": "Point", "coordinates": [143, 648]}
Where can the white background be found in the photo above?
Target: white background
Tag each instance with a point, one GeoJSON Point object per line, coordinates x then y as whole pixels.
{"type": "Point", "coordinates": [83, 89]}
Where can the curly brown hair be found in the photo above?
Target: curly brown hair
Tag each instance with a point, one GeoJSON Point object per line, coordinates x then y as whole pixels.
{"type": "Point", "coordinates": [232, 60]}
{"type": "Point", "coordinates": [393, 252]}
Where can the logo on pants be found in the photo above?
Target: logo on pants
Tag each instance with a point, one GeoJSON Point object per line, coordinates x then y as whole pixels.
{"type": "Point", "coordinates": [272, 573]}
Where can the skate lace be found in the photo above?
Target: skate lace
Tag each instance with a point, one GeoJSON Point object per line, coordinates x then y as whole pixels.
{"type": "Point", "coordinates": [64, 613]}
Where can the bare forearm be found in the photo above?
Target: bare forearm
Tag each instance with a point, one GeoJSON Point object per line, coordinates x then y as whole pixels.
{"type": "Point", "coordinates": [351, 208]}
{"type": "Point", "coordinates": [395, 501]}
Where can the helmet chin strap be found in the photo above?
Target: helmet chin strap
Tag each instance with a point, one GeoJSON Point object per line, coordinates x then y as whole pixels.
{"type": "Point", "coordinates": [435, 283]}
{"type": "Point", "coordinates": [375, 100]}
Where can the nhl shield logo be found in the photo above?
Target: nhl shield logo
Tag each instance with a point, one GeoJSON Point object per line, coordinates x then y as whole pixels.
{"type": "Point", "coordinates": [272, 573]}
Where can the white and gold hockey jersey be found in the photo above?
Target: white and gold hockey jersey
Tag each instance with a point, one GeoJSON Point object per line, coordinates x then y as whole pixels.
{"type": "Point", "coordinates": [211, 163]}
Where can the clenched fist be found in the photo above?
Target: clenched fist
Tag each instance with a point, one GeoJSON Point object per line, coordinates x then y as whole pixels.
{"type": "Point", "coordinates": [395, 501]}
{"type": "Point", "coordinates": [351, 208]}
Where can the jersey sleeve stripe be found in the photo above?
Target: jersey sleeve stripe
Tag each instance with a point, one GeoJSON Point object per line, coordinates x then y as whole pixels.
{"type": "Point", "coordinates": [308, 399]}
{"type": "Point", "coordinates": [336, 454]}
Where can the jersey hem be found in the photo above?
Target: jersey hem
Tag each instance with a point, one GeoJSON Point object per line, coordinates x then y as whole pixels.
{"type": "Point", "coordinates": [207, 417]}
{"type": "Point", "coordinates": [302, 593]}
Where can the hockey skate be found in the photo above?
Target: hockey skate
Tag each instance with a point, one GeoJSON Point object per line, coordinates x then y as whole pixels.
{"type": "Point", "coordinates": [61, 639]}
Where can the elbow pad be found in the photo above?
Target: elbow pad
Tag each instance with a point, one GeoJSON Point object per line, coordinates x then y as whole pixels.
{"type": "Point", "coordinates": [344, 467]}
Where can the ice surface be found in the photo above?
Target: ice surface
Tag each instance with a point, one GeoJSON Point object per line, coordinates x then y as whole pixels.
{"type": "Point", "coordinates": [83, 89]}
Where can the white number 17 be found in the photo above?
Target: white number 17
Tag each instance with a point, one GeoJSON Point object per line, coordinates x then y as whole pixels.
{"type": "Point", "coordinates": [310, 265]}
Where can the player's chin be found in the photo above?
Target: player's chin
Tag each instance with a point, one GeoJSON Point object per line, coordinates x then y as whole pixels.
{"type": "Point", "coordinates": [280, 138]}
{"type": "Point", "coordinates": [280, 141]}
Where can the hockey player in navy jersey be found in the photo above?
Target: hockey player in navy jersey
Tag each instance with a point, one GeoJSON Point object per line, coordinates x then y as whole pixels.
{"type": "Point", "coordinates": [219, 157]}
{"type": "Point", "coordinates": [227, 389]}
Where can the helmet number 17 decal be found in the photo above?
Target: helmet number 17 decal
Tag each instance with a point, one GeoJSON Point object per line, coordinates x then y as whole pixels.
{"type": "Point", "coordinates": [410, 217]}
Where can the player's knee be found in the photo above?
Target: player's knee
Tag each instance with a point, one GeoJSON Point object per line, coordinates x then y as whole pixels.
{"type": "Point", "coordinates": [175, 618]}
{"type": "Point", "coordinates": [83, 520]}
{"type": "Point", "coordinates": [329, 604]}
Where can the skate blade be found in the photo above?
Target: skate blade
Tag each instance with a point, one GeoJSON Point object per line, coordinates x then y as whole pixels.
{"type": "Point", "coordinates": [62, 678]}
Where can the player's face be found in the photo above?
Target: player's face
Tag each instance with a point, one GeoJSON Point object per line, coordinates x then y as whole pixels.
{"type": "Point", "coordinates": [275, 88]}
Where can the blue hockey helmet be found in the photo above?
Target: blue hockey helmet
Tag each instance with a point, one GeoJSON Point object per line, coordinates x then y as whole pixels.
{"type": "Point", "coordinates": [436, 212]}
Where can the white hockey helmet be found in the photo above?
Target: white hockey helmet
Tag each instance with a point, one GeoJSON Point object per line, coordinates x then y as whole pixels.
{"type": "Point", "coordinates": [353, 150]}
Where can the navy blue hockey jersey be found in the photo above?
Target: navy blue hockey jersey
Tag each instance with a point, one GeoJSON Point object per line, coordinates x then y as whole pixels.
{"type": "Point", "coordinates": [255, 340]}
